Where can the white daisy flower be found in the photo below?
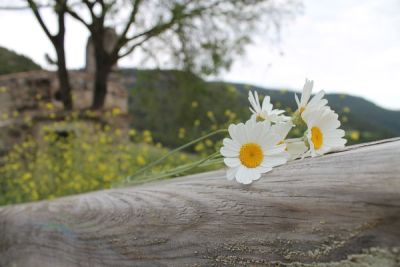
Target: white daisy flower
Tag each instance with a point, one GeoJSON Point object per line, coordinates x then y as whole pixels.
{"type": "Point", "coordinates": [295, 147]}
{"type": "Point", "coordinates": [323, 134]}
{"type": "Point", "coordinates": [305, 103]}
{"type": "Point", "coordinates": [253, 149]}
{"type": "Point", "coordinates": [266, 111]}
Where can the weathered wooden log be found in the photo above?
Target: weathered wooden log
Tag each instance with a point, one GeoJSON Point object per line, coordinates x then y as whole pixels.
{"type": "Point", "coordinates": [313, 210]}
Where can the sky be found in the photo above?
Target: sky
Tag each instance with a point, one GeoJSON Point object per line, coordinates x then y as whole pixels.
{"type": "Point", "coordinates": [345, 46]}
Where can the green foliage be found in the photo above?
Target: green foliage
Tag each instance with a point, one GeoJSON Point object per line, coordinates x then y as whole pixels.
{"type": "Point", "coordinates": [168, 107]}
{"type": "Point", "coordinates": [78, 159]}
{"type": "Point", "coordinates": [11, 62]}
{"type": "Point", "coordinates": [178, 107]}
{"type": "Point", "coordinates": [166, 101]}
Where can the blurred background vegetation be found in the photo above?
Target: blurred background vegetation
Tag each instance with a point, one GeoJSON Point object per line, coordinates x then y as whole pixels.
{"type": "Point", "coordinates": [12, 62]}
{"type": "Point", "coordinates": [362, 120]}
{"type": "Point", "coordinates": [166, 107]}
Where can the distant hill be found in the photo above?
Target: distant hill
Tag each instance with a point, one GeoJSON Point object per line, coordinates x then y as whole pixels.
{"type": "Point", "coordinates": [164, 101]}
{"type": "Point", "coordinates": [11, 62]}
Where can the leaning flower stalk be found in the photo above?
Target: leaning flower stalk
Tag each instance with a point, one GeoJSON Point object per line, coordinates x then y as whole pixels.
{"type": "Point", "coordinates": [212, 159]}
{"type": "Point", "coordinates": [172, 152]}
{"type": "Point", "coordinates": [267, 139]}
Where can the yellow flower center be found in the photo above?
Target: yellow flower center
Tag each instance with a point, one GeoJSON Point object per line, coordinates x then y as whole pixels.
{"type": "Point", "coordinates": [260, 118]}
{"type": "Point", "coordinates": [317, 137]}
{"type": "Point", "coordinates": [302, 110]}
{"type": "Point", "coordinates": [251, 155]}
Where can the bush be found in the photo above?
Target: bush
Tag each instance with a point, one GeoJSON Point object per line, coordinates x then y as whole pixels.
{"type": "Point", "coordinates": [59, 163]}
{"type": "Point", "coordinates": [12, 62]}
{"type": "Point", "coordinates": [178, 106]}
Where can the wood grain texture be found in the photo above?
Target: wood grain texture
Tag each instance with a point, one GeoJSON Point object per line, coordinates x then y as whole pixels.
{"type": "Point", "coordinates": [312, 210]}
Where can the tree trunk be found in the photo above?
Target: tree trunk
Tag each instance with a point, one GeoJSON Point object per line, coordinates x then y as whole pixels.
{"type": "Point", "coordinates": [60, 7]}
{"type": "Point", "coordinates": [100, 90]}
{"type": "Point", "coordinates": [59, 45]}
{"type": "Point", "coordinates": [63, 78]}
{"type": "Point", "coordinates": [318, 210]}
{"type": "Point", "coordinates": [103, 68]}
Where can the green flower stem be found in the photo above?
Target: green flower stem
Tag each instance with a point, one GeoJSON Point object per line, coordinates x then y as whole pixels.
{"type": "Point", "coordinates": [212, 162]}
{"type": "Point", "coordinates": [209, 160]}
{"type": "Point", "coordinates": [292, 140]}
{"type": "Point", "coordinates": [152, 164]}
{"type": "Point", "coordinates": [196, 163]}
{"type": "Point", "coordinates": [189, 166]}
{"type": "Point", "coordinates": [178, 170]}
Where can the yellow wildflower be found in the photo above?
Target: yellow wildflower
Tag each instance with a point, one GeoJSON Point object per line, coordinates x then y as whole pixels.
{"type": "Point", "coordinates": [140, 160]}
{"type": "Point", "coordinates": [132, 132]}
{"type": "Point", "coordinates": [49, 106]}
{"type": "Point", "coordinates": [147, 138]}
{"type": "Point", "coordinates": [5, 116]}
{"type": "Point", "coordinates": [182, 133]}
{"type": "Point", "coordinates": [355, 135]}
{"type": "Point", "coordinates": [195, 104]}
{"type": "Point", "coordinates": [116, 111]}
{"type": "Point", "coordinates": [199, 147]}
{"type": "Point", "coordinates": [26, 176]}
{"type": "Point", "coordinates": [346, 110]}
{"type": "Point", "coordinates": [102, 167]}
{"type": "Point", "coordinates": [209, 143]}
{"type": "Point", "coordinates": [118, 132]}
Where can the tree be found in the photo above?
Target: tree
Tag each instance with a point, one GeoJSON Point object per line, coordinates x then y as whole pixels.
{"type": "Point", "coordinates": [202, 36]}
{"type": "Point", "coordinates": [60, 8]}
{"type": "Point", "coordinates": [58, 41]}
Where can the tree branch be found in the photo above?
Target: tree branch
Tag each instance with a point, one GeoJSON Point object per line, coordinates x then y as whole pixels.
{"type": "Point", "coordinates": [14, 7]}
{"type": "Point", "coordinates": [77, 17]}
{"type": "Point", "coordinates": [161, 27]}
{"type": "Point", "coordinates": [148, 35]}
{"type": "Point", "coordinates": [23, 7]}
{"type": "Point", "coordinates": [122, 40]}
{"type": "Point", "coordinates": [90, 7]}
{"type": "Point", "coordinates": [36, 12]}
{"type": "Point", "coordinates": [133, 47]}
{"type": "Point", "coordinates": [158, 29]}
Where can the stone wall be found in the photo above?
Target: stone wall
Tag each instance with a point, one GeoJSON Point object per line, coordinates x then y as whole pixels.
{"type": "Point", "coordinates": [31, 98]}
{"type": "Point", "coordinates": [110, 40]}
{"type": "Point", "coordinates": [24, 91]}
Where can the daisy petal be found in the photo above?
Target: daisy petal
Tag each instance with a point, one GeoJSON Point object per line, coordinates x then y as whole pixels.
{"type": "Point", "coordinates": [272, 161]}
{"type": "Point", "coordinates": [232, 162]}
{"type": "Point", "coordinates": [231, 144]}
{"type": "Point", "coordinates": [297, 100]}
{"type": "Point", "coordinates": [227, 152]}
{"type": "Point", "coordinates": [231, 172]}
{"type": "Point", "coordinates": [246, 176]}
